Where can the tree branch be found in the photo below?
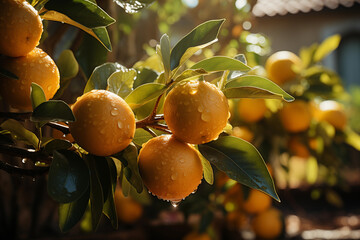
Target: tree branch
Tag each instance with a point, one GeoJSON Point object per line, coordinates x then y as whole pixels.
{"type": "Point", "coordinates": [21, 171]}
{"type": "Point", "coordinates": [24, 153]}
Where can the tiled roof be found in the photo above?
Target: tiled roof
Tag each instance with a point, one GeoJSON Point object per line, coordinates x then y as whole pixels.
{"type": "Point", "coordinates": [281, 7]}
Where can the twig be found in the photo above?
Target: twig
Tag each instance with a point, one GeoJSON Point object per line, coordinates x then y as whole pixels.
{"type": "Point", "coordinates": [64, 129]}
{"type": "Point", "coordinates": [21, 171]}
{"type": "Point", "coordinates": [24, 153]}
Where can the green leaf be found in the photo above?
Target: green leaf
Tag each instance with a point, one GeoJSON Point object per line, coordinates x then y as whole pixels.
{"type": "Point", "coordinates": [71, 213]}
{"type": "Point", "coordinates": [68, 177]}
{"type": "Point", "coordinates": [144, 94]}
{"type": "Point", "coordinates": [37, 95]}
{"type": "Point", "coordinates": [121, 82]}
{"type": "Point", "coordinates": [207, 169]}
{"type": "Point", "coordinates": [56, 144]}
{"type": "Point", "coordinates": [128, 158]}
{"type": "Point", "coordinates": [352, 138]}
{"type": "Point", "coordinates": [67, 64]}
{"type": "Point", "coordinates": [129, 191]}
{"type": "Point", "coordinates": [18, 132]}
{"type": "Point", "coordinates": [190, 73]}
{"type": "Point", "coordinates": [146, 109]}
{"type": "Point", "coordinates": [200, 37]}
{"type": "Point", "coordinates": [109, 206]}
{"type": "Point", "coordinates": [255, 87]}
{"type": "Point", "coordinates": [8, 74]}
{"type": "Point", "coordinates": [96, 193]}
{"type": "Point", "coordinates": [165, 54]}
{"type": "Point", "coordinates": [141, 136]}
{"type": "Point", "coordinates": [100, 75]}
{"type": "Point", "coordinates": [145, 75]}
{"type": "Point", "coordinates": [53, 111]}
{"type": "Point", "coordinates": [241, 161]}
{"type": "Point", "coordinates": [326, 47]}
{"type": "Point", "coordinates": [83, 12]}
{"type": "Point", "coordinates": [221, 63]}
{"type": "Point", "coordinates": [99, 33]}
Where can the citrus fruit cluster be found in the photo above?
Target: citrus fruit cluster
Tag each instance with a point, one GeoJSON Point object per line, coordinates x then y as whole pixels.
{"type": "Point", "coordinates": [21, 28]}
{"type": "Point", "coordinates": [196, 112]}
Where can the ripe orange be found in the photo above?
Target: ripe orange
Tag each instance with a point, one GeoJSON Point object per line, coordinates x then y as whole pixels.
{"type": "Point", "coordinates": [268, 224]}
{"type": "Point", "coordinates": [333, 113]}
{"type": "Point", "coordinates": [280, 66]}
{"type": "Point", "coordinates": [243, 133]}
{"type": "Point", "coordinates": [197, 236]}
{"type": "Point", "coordinates": [251, 109]}
{"type": "Point", "coordinates": [297, 148]}
{"type": "Point", "coordinates": [128, 210]}
{"type": "Point", "coordinates": [170, 169]}
{"type": "Point", "coordinates": [295, 116]}
{"type": "Point", "coordinates": [236, 220]}
{"type": "Point", "coordinates": [257, 202]}
{"type": "Point", "coordinates": [38, 67]}
{"type": "Point", "coordinates": [104, 124]}
{"type": "Point", "coordinates": [196, 111]}
{"type": "Point", "coordinates": [20, 28]}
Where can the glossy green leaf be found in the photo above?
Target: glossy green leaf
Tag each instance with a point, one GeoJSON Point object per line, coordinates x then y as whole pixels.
{"type": "Point", "coordinates": [221, 63]}
{"type": "Point", "coordinates": [190, 73]}
{"type": "Point", "coordinates": [109, 206]}
{"type": "Point", "coordinates": [144, 94]}
{"type": "Point", "coordinates": [84, 12]}
{"type": "Point", "coordinates": [56, 144]}
{"type": "Point", "coordinates": [146, 109]}
{"type": "Point", "coordinates": [37, 95]}
{"type": "Point", "coordinates": [67, 64]}
{"type": "Point", "coordinates": [326, 47]}
{"type": "Point", "coordinates": [121, 82]}
{"type": "Point", "coordinates": [145, 75]}
{"type": "Point", "coordinates": [20, 133]}
{"type": "Point", "coordinates": [165, 53]}
{"type": "Point", "coordinates": [141, 136]}
{"type": "Point", "coordinates": [100, 75]}
{"type": "Point", "coordinates": [53, 110]}
{"type": "Point", "coordinates": [128, 158]}
{"type": "Point", "coordinates": [200, 37]}
{"type": "Point", "coordinates": [71, 213]}
{"type": "Point", "coordinates": [96, 193]}
{"type": "Point", "coordinates": [99, 33]}
{"type": "Point", "coordinates": [68, 177]}
{"type": "Point", "coordinates": [128, 190]}
{"type": "Point", "coordinates": [241, 161]}
{"type": "Point", "coordinates": [207, 169]}
{"type": "Point", "coordinates": [255, 87]}
{"type": "Point", "coordinates": [8, 74]}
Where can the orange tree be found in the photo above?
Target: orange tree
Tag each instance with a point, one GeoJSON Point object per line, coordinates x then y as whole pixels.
{"type": "Point", "coordinates": [125, 109]}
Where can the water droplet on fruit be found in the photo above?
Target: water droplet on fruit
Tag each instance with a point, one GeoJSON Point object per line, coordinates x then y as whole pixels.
{"type": "Point", "coordinates": [49, 88]}
{"type": "Point", "coordinates": [200, 108]}
{"type": "Point", "coordinates": [120, 124]}
{"type": "Point", "coordinates": [175, 203]}
{"type": "Point", "coordinates": [205, 117]}
{"type": "Point", "coordinates": [193, 91]}
{"type": "Point", "coordinates": [114, 112]}
{"type": "Point", "coordinates": [24, 160]}
{"type": "Point", "coordinates": [173, 177]}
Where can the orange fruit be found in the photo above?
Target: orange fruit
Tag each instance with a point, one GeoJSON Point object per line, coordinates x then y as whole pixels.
{"type": "Point", "coordinates": [170, 169]}
{"type": "Point", "coordinates": [280, 66]}
{"type": "Point", "coordinates": [295, 116]}
{"type": "Point", "coordinates": [38, 67]}
{"type": "Point", "coordinates": [243, 133]}
{"type": "Point", "coordinates": [60, 135]}
{"type": "Point", "coordinates": [20, 28]}
{"type": "Point", "coordinates": [332, 112]}
{"type": "Point", "coordinates": [236, 220]}
{"type": "Point", "coordinates": [257, 202]}
{"type": "Point", "coordinates": [127, 209]}
{"type": "Point", "coordinates": [197, 236]}
{"type": "Point", "coordinates": [297, 148]}
{"type": "Point", "coordinates": [251, 110]}
{"type": "Point", "coordinates": [105, 124]}
{"type": "Point", "coordinates": [268, 224]}
{"type": "Point", "coordinates": [196, 111]}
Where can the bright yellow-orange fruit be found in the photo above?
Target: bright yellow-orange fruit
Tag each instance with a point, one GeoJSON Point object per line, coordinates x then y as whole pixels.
{"type": "Point", "coordinates": [170, 169]}
{"type": "Point", "coordinates": [197, 236]}
{"type": "Point", "coordinates": [251, 109]}
{"type": "Point", "coordinates": [127, 209]}
{"type": "Point", "coordinates": [332, 112]}
{"type": "Point", "coordinates": [268, 224]}
{"type": "Point", "coordinates": [243, 133]}
{"type": "Point", "coordinates": [20, 28]}
{"type": "Point", "coordinates": [196, 111]}
{"type": "Point", "coordinates": [257, 202]}
{"type": "Point", "coordinates": [280, 66]}
{"type": "Point", "coordinates": [38, 67]}
{"type": "Point", "coordinates": [105, 124]}
{"type": "Point", "coordinates": [295, 116]}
